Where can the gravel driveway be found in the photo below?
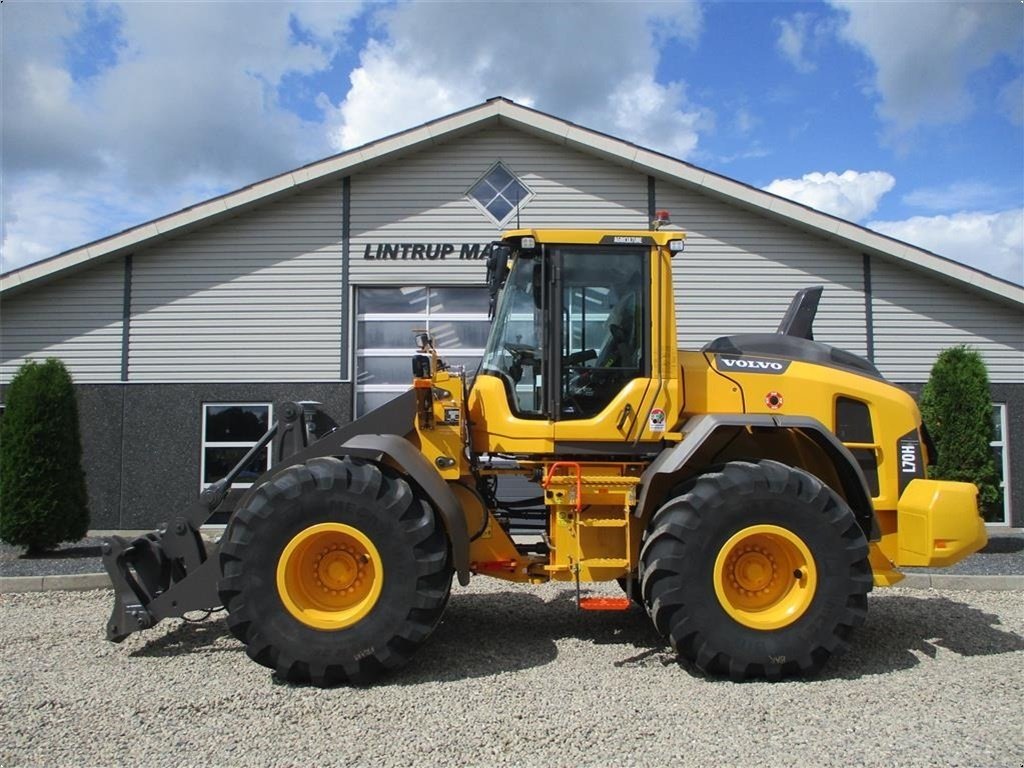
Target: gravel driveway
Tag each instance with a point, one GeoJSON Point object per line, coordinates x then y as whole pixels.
{"type": "Point", "coordinates": [514, 676]}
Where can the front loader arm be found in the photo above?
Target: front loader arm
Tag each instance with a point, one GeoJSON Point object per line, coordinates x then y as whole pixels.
{"type": "Point", "coordinates": [171, 571]}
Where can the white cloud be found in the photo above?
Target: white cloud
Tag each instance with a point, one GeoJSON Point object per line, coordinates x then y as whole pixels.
{"type": "Point", "coordinates": [957, 196]}
{"type": "Point", "coordinates": [386, 97]}
{"type": "Point", "coordinates": [593, 63]}
{"type": "Point", "coordinates": [925, 53]}
{"type": "Point", "coordinates": [44, 215]}
{"type": "Point", "coordinates": [991, 242]}
{"type": "Point", "coordinates": [792, 41]}
{"type": "Point", "coordinates": [186, 100]}
{"type": "Point", "coordinates": [745, 121]}
{"type": "Point", "coordinates": [1011, 101]}
{"type": "Point", "coordinates": [849, 195]}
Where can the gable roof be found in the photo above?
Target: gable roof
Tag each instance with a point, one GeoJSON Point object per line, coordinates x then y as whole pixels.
{"type": "Point", "coordinates": [505, 112]}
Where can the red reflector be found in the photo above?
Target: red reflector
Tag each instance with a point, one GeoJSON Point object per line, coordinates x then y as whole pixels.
{"type": "Point", "coordinates": [605, 603]}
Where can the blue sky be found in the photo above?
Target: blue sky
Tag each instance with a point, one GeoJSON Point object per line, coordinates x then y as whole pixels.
{"type": "Point", "coordinates": [903, 117]}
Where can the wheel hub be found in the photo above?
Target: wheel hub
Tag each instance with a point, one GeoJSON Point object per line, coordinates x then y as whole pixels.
{"type": "Point", "coordinates": [752, 570]}
{"type": "Point", "coordinates": [765, 577]}
{"type": "Point", "coordinates": [329, 576]}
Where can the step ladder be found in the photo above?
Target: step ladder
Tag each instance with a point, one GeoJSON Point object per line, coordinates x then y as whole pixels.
{"type": "Point", "coordinates": [578, 486]}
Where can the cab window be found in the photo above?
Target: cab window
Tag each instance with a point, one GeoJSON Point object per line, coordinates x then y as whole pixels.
{"type": "Point", "coordinates": [603, 333]}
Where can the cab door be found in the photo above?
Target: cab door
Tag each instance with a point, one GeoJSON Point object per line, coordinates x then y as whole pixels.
{"type": "Point", "coordinates": [601, 348]}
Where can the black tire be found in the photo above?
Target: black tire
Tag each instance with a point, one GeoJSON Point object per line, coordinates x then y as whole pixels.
{"type": "Point", "coordinates": [413, 558]}
{"type": "Point", "coordinates": [688, 535]}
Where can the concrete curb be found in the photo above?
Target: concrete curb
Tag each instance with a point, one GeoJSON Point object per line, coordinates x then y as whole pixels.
{"type": "Point", "coordinates": [73, 582]}
{"type": "Point", "coordinates": [83, 581]}
{"type": "Point", "coordinates": [962, 581]}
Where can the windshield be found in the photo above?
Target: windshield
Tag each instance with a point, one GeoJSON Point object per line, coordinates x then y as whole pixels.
{"type": "Point", "coordinates": [514, 350]}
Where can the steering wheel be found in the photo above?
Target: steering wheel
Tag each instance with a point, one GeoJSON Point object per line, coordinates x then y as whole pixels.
{"type": "Point", "coordinates": [520, 353]}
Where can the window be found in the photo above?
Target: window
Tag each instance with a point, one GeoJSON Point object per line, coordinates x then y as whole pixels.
{"type": "Point", "coordinates": [999, 513]}
{"type": "Point", "coordinates": [499, 193]}
{"type": "Point", "coordinates": [385, 320]}
{"type": "Point", "coordinates": [603, 332]}
{"type": "Point", "coordinates": [230, 430]}
{"type": "Point", "coordinates": [516, 351]}
{"type": "Point", "coordinates": [596, 342]}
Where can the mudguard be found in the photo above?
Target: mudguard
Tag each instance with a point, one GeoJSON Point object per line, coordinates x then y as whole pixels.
{"type": "Point", "coordinates": [699, 428]}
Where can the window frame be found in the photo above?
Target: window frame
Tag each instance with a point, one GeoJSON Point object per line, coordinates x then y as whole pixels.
{"type": "Point", "coordinates": [518, 206]}
{"type": "Point", "coordinates": [204, 443]}
{"type": "Point", "coordinates": [556, 330]}
{"type": "Point", "coordinates": [1004, 467]}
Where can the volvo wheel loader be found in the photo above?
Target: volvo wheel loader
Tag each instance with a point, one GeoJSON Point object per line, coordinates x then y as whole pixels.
{"type": "Point", "coordinates": [747, 495]}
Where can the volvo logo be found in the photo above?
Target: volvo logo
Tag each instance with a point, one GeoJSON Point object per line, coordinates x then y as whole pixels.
{"type": "Point", "coordinates": [751, 364]}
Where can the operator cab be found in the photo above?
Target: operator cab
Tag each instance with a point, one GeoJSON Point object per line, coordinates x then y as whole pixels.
{"type": "Point", "coordinates": [576, 313]}
{"type": "Point", "coordinates": [571, 337]}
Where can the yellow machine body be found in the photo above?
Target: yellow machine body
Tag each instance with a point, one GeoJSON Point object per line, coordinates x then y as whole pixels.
{"type": "Point", "coordinates": [594, 527]}
{"type": "Point", "coordinates": [748, 494]}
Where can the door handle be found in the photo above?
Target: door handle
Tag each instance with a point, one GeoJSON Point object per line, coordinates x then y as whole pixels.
{"type": "Point", "coordinates": [626, 413]}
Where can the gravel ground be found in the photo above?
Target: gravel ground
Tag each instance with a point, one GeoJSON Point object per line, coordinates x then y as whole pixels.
{"type": "Point", "coordinates": [514, 676]}
{"type": "Point", "coordinates": [1002, 556]}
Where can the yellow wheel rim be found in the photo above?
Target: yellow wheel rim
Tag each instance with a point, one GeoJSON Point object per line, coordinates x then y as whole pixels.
{"type": "Point", "coordinates": [765, 577]}
{"type": "Point", "coordinates": [330, 576]}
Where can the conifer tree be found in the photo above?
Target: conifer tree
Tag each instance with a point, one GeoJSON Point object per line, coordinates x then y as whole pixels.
{"type": "Point", "coordinates": [957, 410]}
{"type": "Point", "coordinates": [42, 485]}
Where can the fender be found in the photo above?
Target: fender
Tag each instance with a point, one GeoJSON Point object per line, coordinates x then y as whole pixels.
{"type": "Point", "coordinates": [374, 436]}
{"type": "Point", "coordinates": [699, 428]}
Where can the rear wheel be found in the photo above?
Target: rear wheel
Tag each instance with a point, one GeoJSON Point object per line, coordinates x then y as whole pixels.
{"type": "Point", "coordinates": [334, 572]}
{"type": "Point", "coordinates": [757, 570]}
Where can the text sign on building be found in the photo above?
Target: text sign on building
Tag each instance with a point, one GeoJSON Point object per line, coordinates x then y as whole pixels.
{"type": "Point", "coordinates": [427, 251]}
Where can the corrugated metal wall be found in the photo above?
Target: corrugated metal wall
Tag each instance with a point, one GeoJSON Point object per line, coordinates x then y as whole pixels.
{"type": "Point", "coordinates": [256, 298]}
{"type": "Point", "coordinates": [422, 199]}
{"type": "Point", "coordinates": [739, 272]}
{"type": "Point", "coordinates": [259, 297]}
{"type": "Point", "coordinates": [917, 316]}
{"type": "Point", "coordinates": [77, 319]}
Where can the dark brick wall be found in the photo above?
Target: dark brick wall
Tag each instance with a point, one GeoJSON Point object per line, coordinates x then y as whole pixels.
{"type": "Point", "coordinates": [141, 443]}
{"type": "Point", "coordinates": [163, 437]}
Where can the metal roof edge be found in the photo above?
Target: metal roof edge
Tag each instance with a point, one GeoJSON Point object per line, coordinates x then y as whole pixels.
{"type": "Point", "coordinates": [555, 129]}
{"type": "Point", "coordinates": [758, 200]}
{"type": "Point", "coordinates": [181, 221]}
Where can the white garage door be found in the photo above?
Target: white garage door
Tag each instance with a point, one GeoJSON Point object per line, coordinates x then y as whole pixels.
{"type": "Point", "coordinates": [385, 321]}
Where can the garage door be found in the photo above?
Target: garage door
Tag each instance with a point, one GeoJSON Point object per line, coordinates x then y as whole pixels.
{"type": "Point", "coordinates": [386, 320]}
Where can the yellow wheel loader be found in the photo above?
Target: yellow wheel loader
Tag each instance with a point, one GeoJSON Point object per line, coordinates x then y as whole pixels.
{"type": "Point", "coordinates": [746, 495]}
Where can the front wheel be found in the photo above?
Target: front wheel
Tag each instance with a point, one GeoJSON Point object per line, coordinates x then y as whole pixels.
{"type": "Point", "coordinates": [334, 572]}
{"type": "Point", "coordinates": [757, 570]}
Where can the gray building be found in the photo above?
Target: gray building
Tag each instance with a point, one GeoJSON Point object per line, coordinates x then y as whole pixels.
{"type": "Point", "coordinates": [181, 333]}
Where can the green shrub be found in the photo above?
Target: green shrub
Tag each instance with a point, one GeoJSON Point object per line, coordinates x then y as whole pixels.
{"type": "Point", "coordinates": [42, 485]}
{"type": "Point", "coordinates": [957, 410]}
